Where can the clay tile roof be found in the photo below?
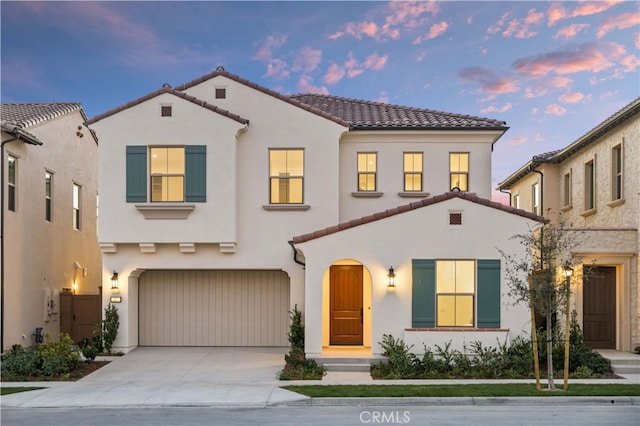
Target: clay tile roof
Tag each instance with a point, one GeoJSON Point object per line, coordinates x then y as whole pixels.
{"type": "Point", "coordinates": [174, 92]}
{"type": "Point", "coordinates": [25, 115]}
{"type": "Point", "coordinates": [415, 205]}
{"type": "Point", "coordinates": [367, 115]}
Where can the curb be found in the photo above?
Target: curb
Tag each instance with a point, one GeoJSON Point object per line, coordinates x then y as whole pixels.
{"type": "Point", "coordinates": [465, 401]}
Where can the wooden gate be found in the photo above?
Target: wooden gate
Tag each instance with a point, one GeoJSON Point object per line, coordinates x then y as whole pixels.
{"type": "Point", "coordinates": [79, 313]}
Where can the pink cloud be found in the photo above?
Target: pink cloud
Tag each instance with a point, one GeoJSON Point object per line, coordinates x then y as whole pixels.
{"type": "Point", "coordinates": [636, 39]}
{"type": "Point", "coordinates": [277, 69]}
{"type": "Point", "coordinates": [305, 85]}
{"type": "Point", "coordinates": [571, 97]}
{"type": "Point", "coordinates": [560, 82]}
{"type": "Point", "coordinates": [533, 17]}
{"type": "Point", "coordinates": [593, 57]}
{"type": "Point", "coordinates": [555, 109]}
{"type": "Point", "coordinates": [271, 43]}
{"type": "Point", "coordinates": [569, 32]}
{"type": "Point", "coordinates": [406, 12]}
{"type": "Point", "coordinates": [492, 108]}
{"type": "Point", "coordinates": [334, 74]}
{"type": "Point", "coordinates": [518, 28]}
{"type": "Point", "coordinates": [558, 12]}
{"type": "Point", "coordinates": [497, 27]}
{"type": "Point", "coordinates": [383, 98]}
{"type": "Point", "coordinates": [375, 62]}
{"type": "Point", "coordinates": [626, 20]}
{"type": "Point", "coordinates": [307, 60]}
{"type": "Point", "coordinates": [518, 141]}
{"type": "Point", "coordinates": [535, 111]}
{"type": "Point", "coordinates": [436, 30]}
{"type": "Point", "coordinates": [490, 81]}
{"type": "Point", "coordinates": [535, 92]}
{"type": "Point", "coordinates": [630, 63]}
{"type": "Point", "coordinates": [336, 35]}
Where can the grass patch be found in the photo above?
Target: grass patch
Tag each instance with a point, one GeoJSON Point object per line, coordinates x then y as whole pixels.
{"type": "Point", "coordinates": [9, 391]}
{"type": "Point", "coordinates": [475, 390]}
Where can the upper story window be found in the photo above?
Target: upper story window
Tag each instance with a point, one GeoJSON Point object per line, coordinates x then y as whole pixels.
{"type": "Point", "coordinates": [176, 173]}
{"type": "Point", "coordinates": [11, 183]}
{"type": "Point", "coordinates": [455, 293]}
{"type": "Point", "coordinates": [48, 192]}
{"type": "Point", "coordinates": [367, 169]}
{"type": "Point", "coordinates": [77, 200]}
{"type": "Point", "coordinates": [617, 173]}
{"type": "Point", "coordinates": [589, 185]}
{"type": "Point", "coordinates": [535, 198]}
{"type": "Point", "coordinates": [566, 189]}
{"type": "Point", "coordinates": [167, 174]}
{"type": "Point", "coordinates": [516, 201]}
{"type": "Point", "coordinates": [413, 171]}
{"type": "Point", "coordinates": [286, 176]}
{"type": "Point", "coordinates": [459, 170]}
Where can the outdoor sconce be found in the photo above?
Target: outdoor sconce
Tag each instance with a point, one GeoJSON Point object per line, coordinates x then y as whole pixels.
{"type": "Point", "coordinates": [114, 280]}
{"type": "Point", "coordinates": [568, 270]}
{"type": "Point", "coordinates": [391, 278]}
{"type": "Point", "coordinates": [74, 287]}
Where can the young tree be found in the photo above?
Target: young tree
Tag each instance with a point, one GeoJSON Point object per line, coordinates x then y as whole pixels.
{"type": "Point", "coordinates": [538, 278]}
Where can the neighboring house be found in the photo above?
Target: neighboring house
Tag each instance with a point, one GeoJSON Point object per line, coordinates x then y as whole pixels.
{"type": "Point", "coordinates": [592, 186]}
{"type": "Point", "coordinates": [209, 192]}
{"type": "Point", "coordinates": [49, 216]}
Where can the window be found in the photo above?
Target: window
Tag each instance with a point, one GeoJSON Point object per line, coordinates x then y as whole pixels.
{"type": "Point", "coordinates": [616, 168]}
{"type": "Point", "coordinates": [164, 175]}
{"type": "Point", "coordinates": [413, 171]}
{"type": "Point", "coordinates": [566, 184]}
{"type": "Point", "coordinates": [516, 201]}
{"type": "Point", "coordinates": [367, 171]}
{"type": "Point", "coordinates": [48, 183]}
{"type": "Point", "coordinates": [589, 186]}
{"type": "Point", "coordinates": [11, 183]}
{"type": "Point", "coordinates": [286, 176]}
{"type": "Point", "coordinates": [455, 292]}
{"type": "Point", "coordinates": [221, 93]}
{"type": "Point", "coordinates": [167, 174]}
{"type": "Point", "coordinates": [76, 205]}
{"type": "Point", "coordinates": [459, 170]}
{"type": "Point", "coordinates": [535, 198]}
{"type": "Point", "coordinates": [166, 111]}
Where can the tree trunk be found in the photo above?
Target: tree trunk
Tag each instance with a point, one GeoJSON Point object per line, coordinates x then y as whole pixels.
{"type": "Point", "coordinates": [551, 385]}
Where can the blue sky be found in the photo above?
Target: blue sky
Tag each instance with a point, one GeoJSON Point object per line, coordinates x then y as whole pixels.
{"type": "Point", "coordinates": [551, 70]}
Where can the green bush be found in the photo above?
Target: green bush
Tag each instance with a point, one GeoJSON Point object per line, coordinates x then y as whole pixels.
{"type": "Point", "coordinates": [49, 359]}
{"type": "Point", "coordinates": [110, 326]}
{"type": "Point", "coordinates": [298, 367]}
{"type": "Point", "coordinates": [88, 348]}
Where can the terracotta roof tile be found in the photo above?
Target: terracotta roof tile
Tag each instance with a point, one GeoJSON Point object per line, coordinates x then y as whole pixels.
{"type": "Point", "coordinates": [25, 115]}
{"type": "Point", "coordinates": [413, 206]}
{"type": "Point", "coordinates": [374, 115]}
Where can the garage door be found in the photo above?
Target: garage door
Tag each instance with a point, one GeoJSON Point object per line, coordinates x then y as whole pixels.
{"type": "Point", "coordinates": [213, 308]}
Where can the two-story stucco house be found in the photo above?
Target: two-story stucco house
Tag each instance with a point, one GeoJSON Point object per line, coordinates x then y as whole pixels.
{"type": "Point", "coordinates": [592, 186]}
{"type": "Point", "coordinates": [225, 204]}
{"type": "Point", "coordinates": [49, 216]}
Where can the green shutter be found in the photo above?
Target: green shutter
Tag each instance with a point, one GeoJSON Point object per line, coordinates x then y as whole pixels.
{"type": "Point", "coordinates": [423, 296]}
{"type": "Point", "coordinates": [489, 293]}
{"type": "Point", "coordinates": [196, 173]}
{"type": "Point", "coordinates": [136, 174]}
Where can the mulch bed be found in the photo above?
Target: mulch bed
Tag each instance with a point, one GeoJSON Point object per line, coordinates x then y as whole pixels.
{"type": "Point", "coordinates": [83, 370]}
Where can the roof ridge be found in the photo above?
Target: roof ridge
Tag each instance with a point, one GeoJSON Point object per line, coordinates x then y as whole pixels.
{"type": "Point", "coordinates": [413, 206]}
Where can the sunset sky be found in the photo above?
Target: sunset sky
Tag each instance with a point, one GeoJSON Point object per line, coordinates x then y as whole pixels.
{"type": "Point", "coordinates": [551, 70]}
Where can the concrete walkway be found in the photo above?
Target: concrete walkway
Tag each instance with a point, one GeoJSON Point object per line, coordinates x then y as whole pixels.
{"type": "Point", "coordinates": [226, 377]}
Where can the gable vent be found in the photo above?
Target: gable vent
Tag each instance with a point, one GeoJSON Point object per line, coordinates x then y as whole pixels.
{"type": "Point", "coordinates": [455, 218]}
{"type": "Point", "coordinates": [166, 111]}
{"type": "Point", "coordinates": [221, 93]}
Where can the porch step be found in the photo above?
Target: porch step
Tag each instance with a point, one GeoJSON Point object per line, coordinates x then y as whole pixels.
{"type": "Point", "coordinates": [338, 363]}
{"type": "Point", "coordinates": [622, 362]}
{"type": "Point", "coordinates": [365, 368]}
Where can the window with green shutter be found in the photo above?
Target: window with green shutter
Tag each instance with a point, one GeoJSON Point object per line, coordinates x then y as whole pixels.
{"type": "Point", "coordinates": [176, 174]}
{"type": "Point", "coordinates": [443, 293]}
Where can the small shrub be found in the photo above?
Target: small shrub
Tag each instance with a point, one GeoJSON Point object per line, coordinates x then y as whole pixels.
{"type": "Point", "coordinates": [110, 326]}
{"type": "Point", "coordinates": [297, 366]}
{"type": "Point", "coordinates": [401, 362]}
{"type": "Point", "coordinates": [19, 363]}
{"type": "Point", "coordinates": [637, 349]}
{"type": "Point", "coordinates": [88, 349]}
{"type": "Point", "coordinates": [58, 357]}
{"type": "Point", "coordinates": [582, 372]}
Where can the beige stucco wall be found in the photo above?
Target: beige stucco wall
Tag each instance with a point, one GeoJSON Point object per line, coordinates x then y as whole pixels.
{"type": "Point", "coordinates": [40, 255]}
{"type": "Point", "coordinates": [418, 234]}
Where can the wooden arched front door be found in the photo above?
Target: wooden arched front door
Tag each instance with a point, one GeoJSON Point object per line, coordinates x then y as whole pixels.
{"type": "Point", "coordinates": [345, 305]}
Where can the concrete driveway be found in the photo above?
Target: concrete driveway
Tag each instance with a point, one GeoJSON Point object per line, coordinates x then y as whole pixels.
{"type": "Point", "coordinates": [171, 376]}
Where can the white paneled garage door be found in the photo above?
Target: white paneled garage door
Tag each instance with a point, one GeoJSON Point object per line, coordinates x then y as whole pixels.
{"type": "Point", "coordinates": [213, 308]}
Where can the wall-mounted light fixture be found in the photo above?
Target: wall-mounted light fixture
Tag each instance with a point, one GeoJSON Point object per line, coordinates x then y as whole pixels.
{"type": "Point", "coordinates": [115, 299]}
{"type": "Point", "coordinates": [391, 278]}
{"type": "Point", "coordinates": [74, 287]}
{"type": "Point", "coordinates": [114, 280]}
{"type": "Point", "coordinates": [568, 270]}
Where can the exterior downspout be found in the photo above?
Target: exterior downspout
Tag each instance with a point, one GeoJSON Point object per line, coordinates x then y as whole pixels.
{"type": "Point", "coordinates": [15, 138]}
{"type": "Point", "coordinates": [508, 193]}
{"type": "Point", "coordinates": [295, 255]}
